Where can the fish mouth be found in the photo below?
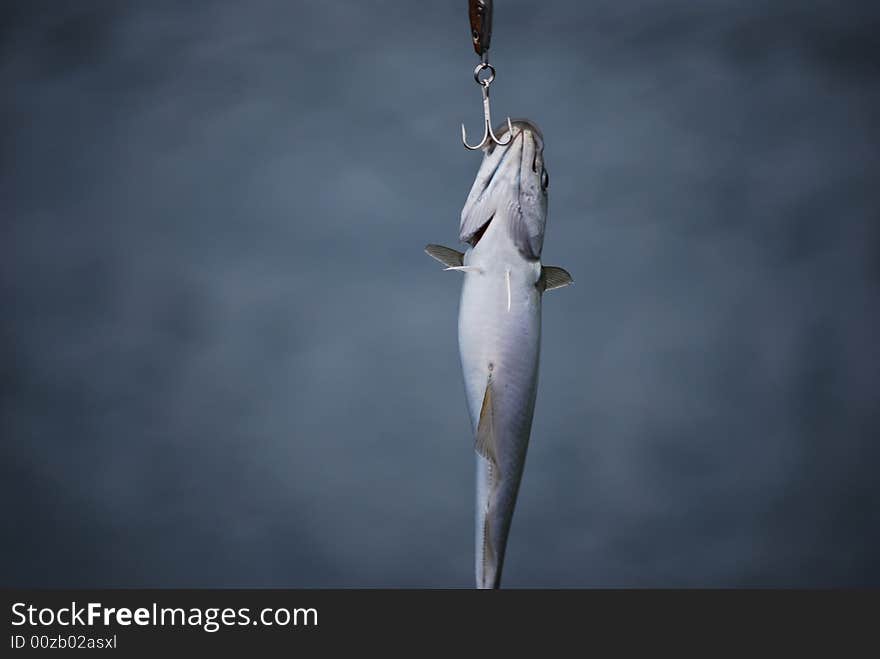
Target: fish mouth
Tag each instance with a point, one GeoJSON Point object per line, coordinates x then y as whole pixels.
{"type": "Point", "coordinates": [523, 129]}
{"type": "Point", "coordinates": [520, 126]}
{"type": "Point", "coordinates": [511, 179]}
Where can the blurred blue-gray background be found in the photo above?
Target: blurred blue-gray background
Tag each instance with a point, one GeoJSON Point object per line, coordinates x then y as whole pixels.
{"type": "Point", "coordinates": [227, 362]}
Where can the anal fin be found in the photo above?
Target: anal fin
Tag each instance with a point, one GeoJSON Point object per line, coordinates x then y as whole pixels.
{"type": "Point", "coordinates": [485, 441]}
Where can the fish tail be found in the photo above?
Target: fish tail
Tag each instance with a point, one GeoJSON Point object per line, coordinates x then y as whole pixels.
{"type": "Point", "coordinates": [489, 553]}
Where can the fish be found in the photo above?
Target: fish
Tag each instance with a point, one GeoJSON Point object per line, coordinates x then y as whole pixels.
{"type": "Point", "coordinates": [499, 325]}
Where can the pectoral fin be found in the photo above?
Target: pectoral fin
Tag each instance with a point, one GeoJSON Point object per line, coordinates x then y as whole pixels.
{"type": "Point", "coordinates": [553, 277]}
{"type": "Point", "coordinates": [485, 441]}
{"type": "Point", "coordinates": [446, 255]}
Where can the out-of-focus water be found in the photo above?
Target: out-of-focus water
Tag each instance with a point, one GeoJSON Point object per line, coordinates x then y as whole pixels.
{"type": "Point", "coordinates": [225, 360]}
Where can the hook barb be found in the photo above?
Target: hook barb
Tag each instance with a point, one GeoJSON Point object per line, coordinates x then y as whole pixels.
{"type": "Point", "coordinates": [488, 136]}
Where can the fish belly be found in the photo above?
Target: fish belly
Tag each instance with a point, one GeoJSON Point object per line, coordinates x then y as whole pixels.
{"type": "Point", "coordinates": [499, 341]}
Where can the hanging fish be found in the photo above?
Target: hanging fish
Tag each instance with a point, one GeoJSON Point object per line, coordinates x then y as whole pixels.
{"type": "Point", "coordinates": [499, 324]}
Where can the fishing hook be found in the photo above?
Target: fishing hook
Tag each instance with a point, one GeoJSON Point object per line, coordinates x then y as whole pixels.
{"type": "Point", "coordinates": [488, 133]}
{"type": "Point", "coordinates": [480, 14]}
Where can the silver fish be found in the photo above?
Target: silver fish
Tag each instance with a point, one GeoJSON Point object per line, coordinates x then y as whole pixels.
{"type": "Point", "coordinates": [499, 325]}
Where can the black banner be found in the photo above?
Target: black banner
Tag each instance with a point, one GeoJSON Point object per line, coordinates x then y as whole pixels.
{"type": "Point", "coordinates": [130, 621]}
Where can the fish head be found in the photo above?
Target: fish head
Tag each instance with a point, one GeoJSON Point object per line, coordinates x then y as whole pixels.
{"type": "Point", "coordinates": [510, 185]}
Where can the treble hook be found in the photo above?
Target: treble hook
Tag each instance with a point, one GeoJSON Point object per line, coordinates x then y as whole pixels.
{"type": "Point", "coordinates": [488, 133]}
{"type": "Point", "coordinates": [480, 14]}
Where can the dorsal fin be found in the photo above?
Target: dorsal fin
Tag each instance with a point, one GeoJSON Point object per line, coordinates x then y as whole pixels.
{"type": "Point", "coordinates": [485, 442]}
{"type": "Point", "coordinates": [553, 277]}
{"type": "Point", "coordinates": [446, 255]}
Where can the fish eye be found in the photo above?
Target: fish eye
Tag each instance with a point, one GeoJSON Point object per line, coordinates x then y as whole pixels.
{"type": "Point", "coordinates": [545, 179]}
